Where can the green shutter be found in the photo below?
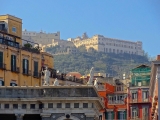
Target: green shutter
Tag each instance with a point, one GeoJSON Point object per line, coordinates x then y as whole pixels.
{"type": "Point", "coordinates": [113, 115]}
{"type": "Point", "coordinates": [27, 66]}
{"type": "Point", "coordinates": [125, 115]}
{"type": "Point", "coordinates": [11, 62]}
{"type": "Point", "coordinates": [15, 62]}
{"type": "Point", "coordinates": [118, 114]}
{"type": "Point", "coordinates": [1, 59]}
{"type": "Point", "coordinates": [106, 115]}
{"type": "Point", "coordinates": [23, 65]}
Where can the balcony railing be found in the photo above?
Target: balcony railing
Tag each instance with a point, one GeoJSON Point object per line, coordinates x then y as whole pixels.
{"type": "Point", "coordinates": [140, 100]}
{"type": "Point", "coordinates": [120, 88]}
{"type": "Point", "coordinates": [116, 102]}
{"type": "Point", "coordinates": [135, 119]}
{"type": "Point", "coordinates": [7, 41]}
{"type": "Point", "coordinates": [2, 66]}
{"type": "Point", "coordinates": [29, 49]}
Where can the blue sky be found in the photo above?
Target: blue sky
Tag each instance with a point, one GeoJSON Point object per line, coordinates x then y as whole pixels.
{"type": "Point", "coordinates": [124, 19]}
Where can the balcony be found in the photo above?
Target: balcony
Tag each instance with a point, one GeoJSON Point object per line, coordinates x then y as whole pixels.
{"type": "Point", "coordinates": [116, 102]}
{"type": "Point", "coordinates": [9, 42]}
{"type": "Point", "coordinates": [15, 69]}
{"type": "Point", "coordinates": [120, 89]}
{"type": "Point", "coordinates": [147, 100]}
{"type": "Point", "coordinates": [135, 119]}
{"type": "Point", "coordinates": [30, 49]}
{"type": "Point", "coordinates": [36, 74]}
{"type": "Point", "coordinates": [2, 66]}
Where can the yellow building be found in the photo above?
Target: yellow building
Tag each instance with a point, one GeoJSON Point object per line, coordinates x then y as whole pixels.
{"type": "Point", "coordinates": [20, 65]}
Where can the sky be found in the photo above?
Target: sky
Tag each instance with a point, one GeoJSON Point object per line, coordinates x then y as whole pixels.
{"type": "Point", "coordinates": [134, 20]}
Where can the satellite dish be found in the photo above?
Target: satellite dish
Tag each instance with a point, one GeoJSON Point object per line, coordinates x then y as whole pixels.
{"type": "Point", "coordinates": [57, 71]}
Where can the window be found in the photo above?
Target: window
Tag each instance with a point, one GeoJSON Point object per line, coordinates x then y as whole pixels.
{"type": "Point", "coordinates": [13, 63]}
{"type": "Point", "coordinates": [13, 83]}
{"type": "Point", "coordinates": [67, 105]}
{"type": "Point", "coordinates": [14, 29]}
{"type": "Point", "coordinates": [110, 115]}
{"type": "Point", "coordinates": [36, 68]}
{"type": "Point", "coordinates": [145, 95]}
{"type": "Point", "coordinates": [6, 106]}
{"type": "Point", "coordinates": [15, 106]}
{"type": "Point", "coordinates": [24, 106]}
{"type": "Point", "coordinates": [1, 82]}
{"type": "Point", "coordinates": [40, 106]}
{"type": "Point", "coordinates": [134, 112]}
{"type": "Point", "coordinates": [76, 105]}
{"type": "Point", "coordinates": [50, 105]}
{"type": "Point", "coordinates": [122, 115]}
{"type": "Point", "coordinates": [1, 59]}
{"type": "Point", "coordinates": [134, 95]}
{"type": "Point", "coordinates": [145, 113]}
{"type": "Point", "coordinates": [85, 105]}
{"type": "Point", "coordinates": [32, 106]}
{"type": "Point", "coordinates": [59, 105]}
{"type": "Point", "coordinates": [25, 66]}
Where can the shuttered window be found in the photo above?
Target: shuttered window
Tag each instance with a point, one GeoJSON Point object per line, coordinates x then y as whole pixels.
{"type": "Point", "coordinates": [35, 68]}
{"type": "Point", "coordinates": [13, 63]}
{"type": "Point", "coordinates": [1, 59]}
{"type": "Point", "coordinates": [122, 115]}
{"type": "Point", "coordinates": [110, 115]}
{"type": "Point", "coordinates": [25, 66]}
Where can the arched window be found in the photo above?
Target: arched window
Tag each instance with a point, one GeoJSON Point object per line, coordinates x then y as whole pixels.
{"type": "Point", "coordinates": [13, 83]}
{"type": "Point", "coordinates": [1, 82]}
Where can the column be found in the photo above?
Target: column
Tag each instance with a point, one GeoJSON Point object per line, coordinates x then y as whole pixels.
{"type": "Point", "coordinates": [19, 116]}
{"type": "Point", "coordinates": [158, 79]}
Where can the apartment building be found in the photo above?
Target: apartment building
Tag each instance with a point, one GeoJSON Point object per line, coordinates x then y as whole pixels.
{"type": "Point", "coordinates": [109, 45]}
{"type": "Point", "coordinates": [39, 37]}
{"type": "Point", "coordinates": [19, 65]}
{"type": "Point", "coordinates": [139, 101]}
{"type": "Point", "coordinates": [153, 90]}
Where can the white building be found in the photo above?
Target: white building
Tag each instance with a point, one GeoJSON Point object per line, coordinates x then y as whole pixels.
{"type": "Point", "coordinates": [40, 37]}
{"type": "Point", "coordinates": [109, 45]}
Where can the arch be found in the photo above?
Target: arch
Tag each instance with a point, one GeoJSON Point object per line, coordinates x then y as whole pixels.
{"type": "Point", "coordinates": [64, 117]}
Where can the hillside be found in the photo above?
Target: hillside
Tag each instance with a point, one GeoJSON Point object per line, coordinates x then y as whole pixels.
{"type": "Point", "coordinates": [113, 64]}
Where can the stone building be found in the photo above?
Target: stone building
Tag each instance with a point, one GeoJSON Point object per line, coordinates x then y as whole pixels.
{"type": "Point", "coordinates": [108, 45]}
{"type": "Point", "coordinates": [40, 37]}
{"type": "Point", "coordinates": [50, 103]}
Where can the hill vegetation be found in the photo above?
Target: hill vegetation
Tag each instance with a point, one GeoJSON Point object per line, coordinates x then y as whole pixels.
{"type": "Point", "coordinates": [110, 63]}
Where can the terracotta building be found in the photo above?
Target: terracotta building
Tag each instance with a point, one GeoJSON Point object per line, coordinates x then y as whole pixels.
{"type": "Point", "coordinates": [139, 101]}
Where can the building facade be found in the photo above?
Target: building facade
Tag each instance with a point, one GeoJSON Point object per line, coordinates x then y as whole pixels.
{"type": "Point", "coordinates": [109, 45]}
{"type": "Point", "coordinates": [139, 100]}
{"type": "Point", "coordinates": [153, 91]}
{"type": "Point", "coordinates": [40, 37]}
{"type": "Point", "coordinates": [50, 103]}
{"type": "Point", "coordinates": [19, 64]}
{"type": "Point", "coordinates": [114, 97]}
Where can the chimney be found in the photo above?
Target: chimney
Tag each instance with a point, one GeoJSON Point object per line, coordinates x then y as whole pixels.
{"type": "Point", "coordinates": [158, 58]}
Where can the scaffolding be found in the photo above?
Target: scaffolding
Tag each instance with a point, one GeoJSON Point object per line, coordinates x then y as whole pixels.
{"type": "Point", "coordinates": [140, 75]}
